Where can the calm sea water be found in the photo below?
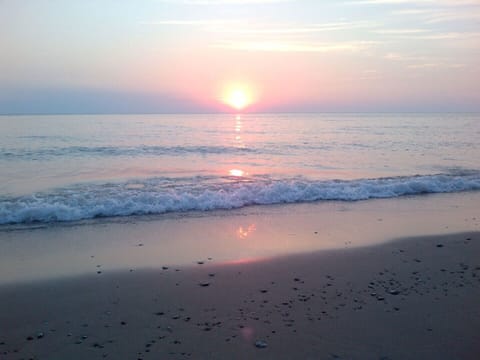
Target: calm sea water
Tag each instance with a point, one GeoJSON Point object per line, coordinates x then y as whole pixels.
{"type": "Point", "coordinates": [65, 167]}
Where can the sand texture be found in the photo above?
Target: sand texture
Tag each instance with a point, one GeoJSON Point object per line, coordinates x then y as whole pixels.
{"type": "Point", "coordinates": [415, 298]}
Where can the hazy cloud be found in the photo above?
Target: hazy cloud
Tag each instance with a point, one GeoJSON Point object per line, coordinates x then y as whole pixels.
{"type": "Point", "coordinates": [435, 66]}
{"type": "Point", "coordinates": [416, 2]}
{"type": "Point", "coordinates": [280, 46]}
{"type": "Point", "coordinates": [225, 2]}
{"type": "Point", "coordinates": [187, 22]}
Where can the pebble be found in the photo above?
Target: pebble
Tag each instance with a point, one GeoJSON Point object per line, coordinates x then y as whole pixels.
{"type": "Point", "coordinates": [260, 344]}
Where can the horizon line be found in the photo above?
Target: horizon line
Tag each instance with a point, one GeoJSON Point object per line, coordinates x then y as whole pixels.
{"type": "Point", "coordinates": [239, 113]}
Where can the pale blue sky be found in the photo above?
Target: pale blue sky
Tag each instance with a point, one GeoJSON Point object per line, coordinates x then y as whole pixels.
{"type": "Point", "coordinates": [89, 56]}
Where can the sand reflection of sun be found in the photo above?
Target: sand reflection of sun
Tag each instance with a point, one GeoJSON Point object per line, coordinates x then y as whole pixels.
{"type": "Point", "coordinates": [243, 233]}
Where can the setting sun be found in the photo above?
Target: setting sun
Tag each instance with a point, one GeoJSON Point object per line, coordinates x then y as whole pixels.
{"type": "Point", "coordinates": [238, 97]}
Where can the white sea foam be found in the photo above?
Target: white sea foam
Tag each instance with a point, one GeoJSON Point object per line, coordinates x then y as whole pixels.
{"type": "Point", "coordinates": [162, 195]}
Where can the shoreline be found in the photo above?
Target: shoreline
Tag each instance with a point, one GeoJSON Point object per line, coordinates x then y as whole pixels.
{"type": "Point", "coordinates": [249, 234]}
{"type": "Point", "coordinates": [412, 298]}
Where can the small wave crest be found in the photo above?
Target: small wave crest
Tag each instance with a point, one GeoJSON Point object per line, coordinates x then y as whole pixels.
{"type": "Point", "coordinates": [101, 151]}
{"type": "Point", "coordinates": [161, 195]}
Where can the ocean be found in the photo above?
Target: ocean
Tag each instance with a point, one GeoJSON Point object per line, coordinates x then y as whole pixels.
{"type": "Point", "coordinates": [63, 168]}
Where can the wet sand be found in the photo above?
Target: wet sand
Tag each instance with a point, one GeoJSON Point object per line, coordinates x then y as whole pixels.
{"type": "Point", "coordinates": [413, 298]}
{"type": "Point", "coordinates": [49, 251]}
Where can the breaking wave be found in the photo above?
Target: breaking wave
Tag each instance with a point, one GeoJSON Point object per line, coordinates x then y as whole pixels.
{"type": "Point", "coordinates": [165, 195]}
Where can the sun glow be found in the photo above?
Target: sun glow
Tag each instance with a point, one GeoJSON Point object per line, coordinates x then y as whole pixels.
{"type": "Point", "coordinates": [238, 97]}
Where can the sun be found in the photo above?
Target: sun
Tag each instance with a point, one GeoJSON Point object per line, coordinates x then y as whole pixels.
{"type": "Point", "coordinates": [238, 97]}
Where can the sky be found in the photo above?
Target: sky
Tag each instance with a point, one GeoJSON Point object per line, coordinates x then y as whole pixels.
{"type": "Point", "coordinates": [188, 56]}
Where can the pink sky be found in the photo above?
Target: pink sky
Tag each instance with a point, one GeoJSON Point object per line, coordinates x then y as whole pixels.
{"type": "Point", "coordinates": [180, 56]}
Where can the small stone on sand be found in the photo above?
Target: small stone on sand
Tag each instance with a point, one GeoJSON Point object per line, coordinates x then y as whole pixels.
{"type": "Point", "coordinates": [260, 344]}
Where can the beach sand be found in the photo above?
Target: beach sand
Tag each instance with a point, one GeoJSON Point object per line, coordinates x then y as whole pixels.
{"type": "Point", "coordinates": [412, 298]}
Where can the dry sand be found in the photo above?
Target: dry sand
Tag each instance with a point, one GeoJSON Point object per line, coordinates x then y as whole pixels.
{"type": "Point", "coordinates": [415, 298]}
